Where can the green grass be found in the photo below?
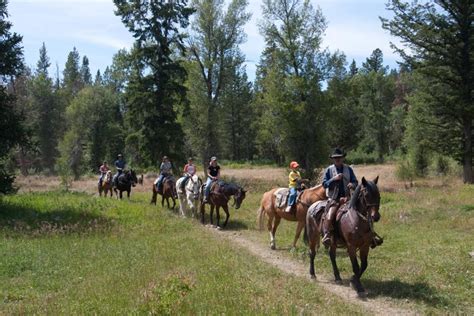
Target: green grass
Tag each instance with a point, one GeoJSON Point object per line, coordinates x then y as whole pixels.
{"type": "Point", "coordinates": [424, 260]}
{"type": "Point", "coordinates": [71, 253]}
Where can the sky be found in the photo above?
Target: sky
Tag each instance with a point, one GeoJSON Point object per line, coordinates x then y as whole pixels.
{"type": "Point", "coordinates": [91, 26]}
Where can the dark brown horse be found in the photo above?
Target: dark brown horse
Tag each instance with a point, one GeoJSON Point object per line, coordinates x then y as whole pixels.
{"type": "Point", "coordinates": [354, 230]}
{"type": "Point", "coordinates": [106, 185]}
{"type": "Point", "coordinates": [168, 191]}
{"type": "Point", "coordinates": [269, 206]}
{"type": "Point", "coordinates": [219, 196]}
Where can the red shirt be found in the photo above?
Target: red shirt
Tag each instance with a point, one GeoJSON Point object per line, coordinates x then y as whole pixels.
{"type": "Point", "coordinates": [190, 168]}
{"type": "Point", "coordinates": [103, 169]}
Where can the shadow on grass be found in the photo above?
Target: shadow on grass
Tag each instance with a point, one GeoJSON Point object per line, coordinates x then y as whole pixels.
{"type": "Point", "coordinates": [417, 291]}
{"type": "Point", "coordinates": [20, 220]}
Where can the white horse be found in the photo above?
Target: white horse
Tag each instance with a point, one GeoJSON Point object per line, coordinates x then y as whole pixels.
{"type": "Point", "coordinates": [189, 198]}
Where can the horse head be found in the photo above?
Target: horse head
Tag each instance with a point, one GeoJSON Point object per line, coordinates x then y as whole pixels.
{"type": "Point", "coordinates": [239, 197]}
{"type": "Point", "coordinates": [196, 186]}
{"type": "Point", "coordinates": [370, 196]}
{"type": "Point", "coordinates": [133, 177]}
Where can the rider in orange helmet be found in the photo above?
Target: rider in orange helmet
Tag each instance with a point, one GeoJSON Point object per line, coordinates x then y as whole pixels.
{"type": "Point", "coordinates": [293, 177]}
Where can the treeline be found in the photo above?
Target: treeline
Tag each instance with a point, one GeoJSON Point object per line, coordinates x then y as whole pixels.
{"type": "Point", "coordinates": [183, 90]}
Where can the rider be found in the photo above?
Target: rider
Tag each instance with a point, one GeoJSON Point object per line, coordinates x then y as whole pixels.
{"type": "Point", "coordinates": [188, 171]}
{"type": "Point", "coordinates": [103, 171]}
{"type": "Point", "coordinates": [293, 177]}
{"type": "Point", "coordinates": [213, 174]}
{"type": "Point", "coordinates": [166, 169]}
{"type": "Point", "coordinates": [338, 180]}
{"type": "Point", "coordinates": [120, 165]}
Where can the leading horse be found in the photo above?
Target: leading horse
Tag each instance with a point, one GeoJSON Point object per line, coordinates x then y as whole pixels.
{"type": "Point", "coordinates": [106, 185]}
{"type": "Point", "coordinates": [125, 181]}
{"type": "Point", "coordinates": [269, 206]}
{"type": "Point", "coordinates": [354, 230]}
{"type": "Point", "coordinates": [189, 197]}
{"type": "Point", "coordinates": [219, 196]}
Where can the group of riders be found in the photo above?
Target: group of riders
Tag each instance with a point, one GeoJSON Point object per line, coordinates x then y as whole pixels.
{"type": "Point", "coordinates": [166, 170]}
{"type": "Point", "coordinates": [339, 180]}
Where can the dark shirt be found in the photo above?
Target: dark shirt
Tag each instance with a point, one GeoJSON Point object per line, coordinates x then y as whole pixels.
{"type": "Point", "coordinates": [342, 190]}
{"type": "Point", "coordinates": [213, 171]}
{"type": "Point", "coordinates": [120, 164]}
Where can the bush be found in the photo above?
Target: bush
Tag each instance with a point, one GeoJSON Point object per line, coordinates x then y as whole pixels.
{"type": "Point", "coordinates": [358, 157]}
{"type": "Point", "coordinates": [405, 170]}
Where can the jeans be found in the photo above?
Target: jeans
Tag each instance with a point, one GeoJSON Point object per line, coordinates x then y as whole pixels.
{"type": "Point", "coordinates": [183, 183]}
{"type": "Point", "coordinates": [292, 197]}
{"type": "Point", "coordinates": [114, 180]}
{"type": "Point", "coordinates": [101, 177]}
{"type": "Point", "coordinates": [160, 181]}
{"type": "Point", "coordinates": [207, 189]}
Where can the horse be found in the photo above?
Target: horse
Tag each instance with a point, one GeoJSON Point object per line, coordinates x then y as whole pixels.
{"type": "Point", "coordinates": [219, 197]}
{"type": "Point", "coordinates": [106, 185]}
{"type": "Point", "coordinates": [168, 191]}
{"type": "Point", "coordinates": [125, 181]}
{"type": "Point", "coordinates": [189, 198]}
{"type": "Point", "coordinates": [269, 206]}
{"type": "Point", "coordinates": [353, 230]}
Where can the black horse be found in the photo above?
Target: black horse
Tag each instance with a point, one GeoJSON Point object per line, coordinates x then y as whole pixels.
{"type": "Point", "coordinates": [124, 182]}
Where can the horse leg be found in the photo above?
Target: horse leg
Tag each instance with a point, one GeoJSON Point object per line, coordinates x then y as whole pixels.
{"type": "Point", "coordinates": [203, 210]}
{"type": "Point", "coordinates": [270, 230]}
{"type": "Point", "coordinates": [174, 203]}
{"type": "Point", "coordinates": [218, 216]}
{"type": "Point", "coordinates": [121, 194]}
{"type": "Point", "coordinates": [226, 210]}
{"type": "Point", "coordinates": [128, 194]}
{"type": "Point", "coordinates": [162, 201]}
{"type": "Point", "coordinates": [313, 238]}
{"type": "Point", "coordinates": [276, 222]}
{"type": "Point", "coordinates": [364, 253]}
{"type": "Point", "coordinates": [335, 269]}
{"type": "Point", "coordinates": [355, 281]}
{"type": "Point", "coordinates": [299, 228]}
{"type": "Point", "coordinates": [211, 212]}
{"type": "Point", "coordinates": [153, 198]}
{"type": "Point", "coordinates": [181, 205]}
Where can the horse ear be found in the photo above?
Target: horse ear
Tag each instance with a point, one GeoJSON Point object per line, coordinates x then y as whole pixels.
{"type": "Point", "coordinates": [364, 182]}
{"type": "Point", "coordinates": [376, 179]}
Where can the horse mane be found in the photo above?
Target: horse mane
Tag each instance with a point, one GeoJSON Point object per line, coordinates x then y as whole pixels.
{"type": "Point", "coordinates": [355, 196]}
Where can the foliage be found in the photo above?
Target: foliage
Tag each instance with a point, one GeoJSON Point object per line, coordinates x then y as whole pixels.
{"type": "Point", "coordinates": [438, 39]}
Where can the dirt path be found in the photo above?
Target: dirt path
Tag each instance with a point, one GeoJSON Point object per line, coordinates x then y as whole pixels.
{"type": "Point", "coordinates": [289, 266]}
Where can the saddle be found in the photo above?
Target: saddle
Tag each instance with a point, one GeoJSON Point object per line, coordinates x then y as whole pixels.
{"type": "Point", "coordinates": [281, 196]}
{"type": "Point", "coordinates": [317, 209]}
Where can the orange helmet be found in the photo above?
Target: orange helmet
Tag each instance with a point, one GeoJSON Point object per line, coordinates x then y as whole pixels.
{"type": "Point", "coordinates": [294, 165]}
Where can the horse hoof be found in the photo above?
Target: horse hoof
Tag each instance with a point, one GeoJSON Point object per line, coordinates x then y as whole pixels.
{"type": "Point", "coordinates": [338, 281]}
{"type": "Point", "coordinates": [362, 294]}
{"type": "Point", "coordinates": [313, 277]}
{"type": "Point", "coordinates": [272, 246]}
{"type": "Point", "coordinates": [218, 227]}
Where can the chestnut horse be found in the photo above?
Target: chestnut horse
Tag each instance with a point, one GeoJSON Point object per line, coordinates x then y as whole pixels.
{"type": "Point", "coordinates": [168, 191]}
{"type": "Point", "coordinates": [219, 196]}
{"type": "Point", "coordinates": [275, 214]}
{"type": "Point", "coordinates": [353, 230]}
{"type": "Point", "coordinates": [107, 185]}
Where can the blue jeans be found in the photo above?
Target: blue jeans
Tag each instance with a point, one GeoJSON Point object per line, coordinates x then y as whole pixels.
{"type": "Point", "coordinates": [207, 189]}
{"type": "Point", "coordinates": [160, 181]}
{"type": "Point", "coordinates": [101, 177]}
{"type": "Point", "coordinates": [292, 197]}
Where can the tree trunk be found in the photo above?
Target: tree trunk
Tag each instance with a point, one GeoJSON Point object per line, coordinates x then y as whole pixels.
{"type": "Point", "coordinates": [467, 155]}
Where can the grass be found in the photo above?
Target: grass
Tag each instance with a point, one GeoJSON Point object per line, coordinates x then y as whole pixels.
{"type": "Point", "coordinates": [73, 253]}
{"type": "Point", "coordinates": [70, 253]}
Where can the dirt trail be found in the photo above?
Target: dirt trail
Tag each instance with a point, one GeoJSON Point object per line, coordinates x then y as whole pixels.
{"type": "Point", "coordinates": [289, 266]}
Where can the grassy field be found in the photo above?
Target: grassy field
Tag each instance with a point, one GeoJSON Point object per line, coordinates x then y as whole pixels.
{"type": "Point", "coordinates": [75, 253]}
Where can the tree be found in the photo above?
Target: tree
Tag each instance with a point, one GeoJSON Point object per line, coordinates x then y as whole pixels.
{"type": "Point", "coordinates": [12, 131]}
{"type": "Point", "coordinates": [86, 76]}
{"type": "Point", "coordinates": [438, 37]}
{"type": "Point", "coordinates": [214, 47]}
{"type": "Point", "coordinates": [291, 95]}
{"type": "Point", "coordinates": [72, 81]}
{"type": "Point", "coordinates": [43, 62]}
{"type": "Point", "coordinates": [157, 83]}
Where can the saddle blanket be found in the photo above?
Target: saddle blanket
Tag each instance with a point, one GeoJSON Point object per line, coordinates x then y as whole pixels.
{"type": "Point", "coordinates": [317, 209]}
{"type": "Point", "coordinates": [281, 197]}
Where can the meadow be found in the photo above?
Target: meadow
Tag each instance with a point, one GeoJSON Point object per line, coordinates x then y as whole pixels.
{"type": "Point", "coordinates": [75, 253]}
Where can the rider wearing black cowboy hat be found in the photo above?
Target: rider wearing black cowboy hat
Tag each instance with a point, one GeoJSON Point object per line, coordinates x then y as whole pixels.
{"type": "Point", "coordinates": [339, 178]}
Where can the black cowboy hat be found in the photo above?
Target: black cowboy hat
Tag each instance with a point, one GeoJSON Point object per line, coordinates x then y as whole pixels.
{"type": "Point", "coordinates": [338, 153]}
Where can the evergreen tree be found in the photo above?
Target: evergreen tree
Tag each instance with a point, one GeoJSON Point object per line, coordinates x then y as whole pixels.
{"type": "Point", "coordinates": [72, 81]}
{"type": "Point", "coordinates": [98, 81]}
{"type": "Point", "coordinates": [86, 76]}
{"type": "Point", "coordinates": [353, 70]}
{"type": "Point", "coordinates": [438, 37]}
{"type": "Point", "coordinates": [157, 84]}
{"type": "Point", "coordinates": [12, 131]}
{"type": "Point", "coordinates": [43, 62]}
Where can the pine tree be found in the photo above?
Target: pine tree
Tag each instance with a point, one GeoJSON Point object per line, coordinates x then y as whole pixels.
{"type": "Point", "coordinates": [157, 84]}
{"type": "Point", "coordinates": [12, 131]}
{"type": "Point", "coordinates": [72, 81]}
{"type": "Point", "coordinates": [43, 62]}
{"type": "Point", "coordinates": [98, 81]}
{"type": "Point", "coordinates": [86, 76]}
{"type": "Point", "coordinates": [438, 37]}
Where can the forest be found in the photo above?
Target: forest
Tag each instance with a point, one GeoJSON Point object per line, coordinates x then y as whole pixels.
{"type": "Point", "coordinates": [183, 90]}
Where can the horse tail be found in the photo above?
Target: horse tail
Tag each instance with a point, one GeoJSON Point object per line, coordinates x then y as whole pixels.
{"type": "Point", "coordinates": [260, 215]}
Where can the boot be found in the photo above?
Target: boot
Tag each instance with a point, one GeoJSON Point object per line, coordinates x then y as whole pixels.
{"type": "Point", "coordinates": [328, 232]}
{"type": "Point", "coordinates": [288, 209]}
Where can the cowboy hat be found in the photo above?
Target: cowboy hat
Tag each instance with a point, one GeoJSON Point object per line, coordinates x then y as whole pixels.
{"type": "Point", "coordinates": [338, 153]}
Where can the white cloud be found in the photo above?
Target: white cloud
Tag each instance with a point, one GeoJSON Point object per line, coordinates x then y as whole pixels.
{"type": "Point", "coordinates": [103, 39]}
